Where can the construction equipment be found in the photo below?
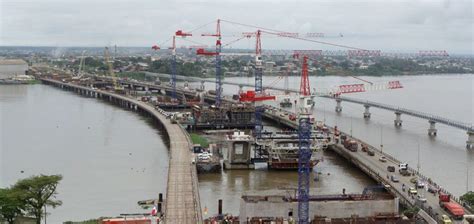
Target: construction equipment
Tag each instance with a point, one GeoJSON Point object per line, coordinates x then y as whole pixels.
{"type": "Point", "coordinates": [117, 87]}
{"type": "Point", "coordinates": [174, 98]}
{"type": "Point", "coordinates": [217, 53]}
{"type": "Point", "coordinates": [81, 67]}
{"type": "Point", "coordinates": [173, 70]}
{"type": "Point", "coordinates": [304, 157]}
{"type": "Point", "coordinates": [306, 103]}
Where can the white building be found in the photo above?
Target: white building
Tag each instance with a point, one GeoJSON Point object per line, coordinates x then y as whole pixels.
{"type": "Point", "coordinates": [12, 67]}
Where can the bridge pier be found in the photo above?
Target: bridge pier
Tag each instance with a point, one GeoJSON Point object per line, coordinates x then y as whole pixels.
{"type": "Point", "coordinates": [398, 120]}
{"type": "Point", "coordinates": [367, 112]}
{"type": "Point", "coordinates": [470, 140]}
{"type": "Point", "coordinates": [432, 131]}
{"type": "Point", "coordinates": [238, 152]}
{"type": "Point", "coordinates": [338, 105]}
{"type": "Point", "coordinates": [241, 89]}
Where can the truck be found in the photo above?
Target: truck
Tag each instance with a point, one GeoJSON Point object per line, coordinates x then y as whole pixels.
{"type": "Point", "coordinates": [292, 117]}
{"type": "Point", "coordinates": [351, 145]}
{"type": "Point", "coordinates": [403, 169]}
{"type": "Point", "coordinates": [453, 208]}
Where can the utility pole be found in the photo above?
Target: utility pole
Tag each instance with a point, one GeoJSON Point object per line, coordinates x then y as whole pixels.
{"type": "Point", "coordinates": [381, 138]}
{"type": "Point", "coordinates": [324, 113]}
{"type": "Point", "coordinates": [418, 165]}
{"type": "Point", "coordinates": [467, 175]}
{"type": "Point", "coordinates": [351, 126]}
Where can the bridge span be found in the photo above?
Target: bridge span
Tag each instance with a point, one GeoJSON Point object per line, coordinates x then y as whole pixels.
{"type": "Point", "coordinates": [431, 118]}
{"type": "Point", "coordinates": [182, 205]}
{"type": "Point", "coordinates": [182, 202]}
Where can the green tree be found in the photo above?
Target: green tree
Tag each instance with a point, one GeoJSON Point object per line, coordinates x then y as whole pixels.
{"type": "Point", "coordinates": [11, 205]}
{"type": "Point", "coordinates": [38, 192]}
{"type": "Point", "coordinates": [468, 198]}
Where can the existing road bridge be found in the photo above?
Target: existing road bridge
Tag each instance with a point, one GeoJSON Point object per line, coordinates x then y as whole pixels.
{"type": "Point", "coordinates": [432, 119]}
{"type": "Point", "coordinates": [182, 203]}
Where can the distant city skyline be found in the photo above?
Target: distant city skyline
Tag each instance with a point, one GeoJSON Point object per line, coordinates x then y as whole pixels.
{"type": "Point", "coordinates": [391, 26]}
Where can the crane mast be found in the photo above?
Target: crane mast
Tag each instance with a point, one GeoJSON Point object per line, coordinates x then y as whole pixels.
{"type": "Point", "coordinates": [173, 70]}
{"type": "Point", "coordinates": [218, 64]}
{"type": "Point", "coordinates": [117, 87]}
{"type": "Point", "coordinates": [259, 109]}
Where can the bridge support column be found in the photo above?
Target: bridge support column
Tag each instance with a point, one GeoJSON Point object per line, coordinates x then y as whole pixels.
{"type": "Point", "coordinates": [338, 105]}
{"type": "Point", "coordinates": [238, 155]}
{"type": "Point", "coordinates": [470, 140]}
{"type": "Point", "coordinates": [367, 112]}
{"type": "Point", "coordinates": [432, 131]}
{"type": "Point", "coordinates": [398, 119]}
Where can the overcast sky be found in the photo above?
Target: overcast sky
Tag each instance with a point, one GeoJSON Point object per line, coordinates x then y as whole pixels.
{"type": "Point", "coordinates": [400, 26]}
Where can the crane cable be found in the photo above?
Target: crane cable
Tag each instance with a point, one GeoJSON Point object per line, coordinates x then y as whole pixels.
{"type": "Point", "coordinates": [275, 32]}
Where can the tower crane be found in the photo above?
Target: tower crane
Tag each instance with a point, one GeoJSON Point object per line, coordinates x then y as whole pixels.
{"type": "Point", "coordinates": [182, 34]}
{"type": "Point", "coordinates": [81, 66]}
{"type": "Point", "coordinates": [173, 70]}
{"type": "Point", "coordinates": [305, 104]}
{"type": "Point", "coordinates": [117, 87]}
{"type": "Point", "coordinates": [217, 53]}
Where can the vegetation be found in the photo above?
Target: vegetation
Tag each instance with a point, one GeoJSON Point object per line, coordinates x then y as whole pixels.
{"type": "Point", "coordinates": [134, 75]}
{"type": "Point", "coordinates": [28, 197]}
{"type": "Point", "coordinates": [34, 81]}
{"type": "Point", "coordinates": [198, 139]}
{"type": "Point", "coordinates": [91, 221]}
{"type": "Point", "coordinates": [182, 68]}
{"type": "Point", "coordinates": [468, 198]}
{"type": "Point", "coordinates": [410, 212]}
{"type": "Point", "coordinates": [11, 204]}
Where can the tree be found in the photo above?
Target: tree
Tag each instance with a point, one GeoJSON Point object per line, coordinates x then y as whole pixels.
{"type": "Point", "coordinates": [410, 212]}
{"type": "Point", "coordinates": [468, 198]}
{"type": "Point", "coordinates": [10, 204]}
{"type": "Point", "coordinates": [38, 192]}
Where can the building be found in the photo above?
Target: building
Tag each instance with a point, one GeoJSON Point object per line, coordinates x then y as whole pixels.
{"type": "Point", "coordinates": [284, 205]}
{"type": "Point", "coordinates": [12, 67]}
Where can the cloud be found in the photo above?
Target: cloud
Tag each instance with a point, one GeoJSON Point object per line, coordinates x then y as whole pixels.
{"type": "Point", "coordinates": [373, 24]}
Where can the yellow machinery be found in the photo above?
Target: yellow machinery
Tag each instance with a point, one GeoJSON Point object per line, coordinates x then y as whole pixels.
{"type": "Point", "coordinates": [117, 87]}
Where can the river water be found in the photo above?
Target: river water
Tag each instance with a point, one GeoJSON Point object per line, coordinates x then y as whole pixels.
{"type": "Point", "coordinates": [109, 158]}
{"type": "Point", "coordinates": [89, 142]}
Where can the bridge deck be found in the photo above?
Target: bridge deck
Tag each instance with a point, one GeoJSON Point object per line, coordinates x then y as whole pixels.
{"type": "Point", "coordinates": [182, 196]}
{"type": "Point", "coordinates": [418, 114]}
{"type": "Point", "coordinates": [375, 168]}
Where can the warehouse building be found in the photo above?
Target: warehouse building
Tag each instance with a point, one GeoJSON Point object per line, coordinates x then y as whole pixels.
{"type": "Point", "coordinates": [12, 67]}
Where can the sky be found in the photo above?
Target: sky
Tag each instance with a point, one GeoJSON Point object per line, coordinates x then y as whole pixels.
{"type": "Point", "coordinates": [387, 25]}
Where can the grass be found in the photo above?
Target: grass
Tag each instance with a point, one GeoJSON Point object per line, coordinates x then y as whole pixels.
{"type": "Point", "coordinates": [34, 81]}
{"type": "Point", "coordinates": [197, 139]}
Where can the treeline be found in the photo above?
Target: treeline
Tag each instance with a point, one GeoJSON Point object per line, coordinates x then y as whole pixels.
{"type": "Point", "coordinates": [386, 67]}
{"type": "Point", "coordinates": [28, 197]}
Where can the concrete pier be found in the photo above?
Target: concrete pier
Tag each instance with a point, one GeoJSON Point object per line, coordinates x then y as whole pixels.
{"type": "Point", "coordinates": [238, 152]}
{"type": "Point", "coordinates": [432, 131]}
{"type": "Point", "coordinates": [338, 105]}
{"type": "Point", "coordinates": [470, 140]}
{"type": "Point", "coordinates": [202, 87]}
{"type": "Point", "coordinates": [366, 112]}
{"type": "Point", "coordinates": [398, 119]}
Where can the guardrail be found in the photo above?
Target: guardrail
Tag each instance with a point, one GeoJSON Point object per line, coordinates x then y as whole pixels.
{"type": "Point", "coordinates": [194, 177]}
{"type": "Point", "coordinates": [427, 116]}
{"type": "Point", "coordinates": [430, 181]}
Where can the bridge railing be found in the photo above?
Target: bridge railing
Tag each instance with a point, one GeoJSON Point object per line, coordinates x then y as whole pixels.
{"type": "Point", "coordinates": [427, 116]}
{"type": "Point", "coordinates": [419, 174]}
{"type": "Point", "coordinates": [194, 177]}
